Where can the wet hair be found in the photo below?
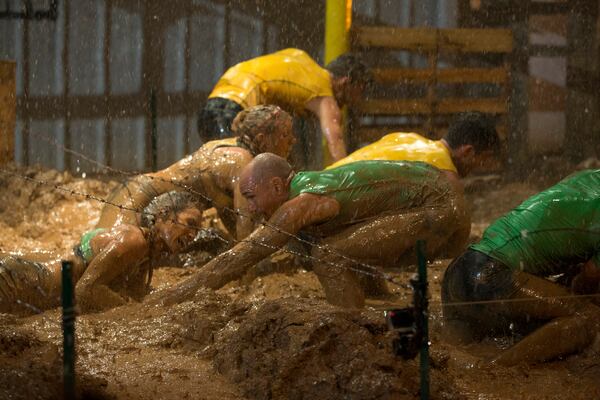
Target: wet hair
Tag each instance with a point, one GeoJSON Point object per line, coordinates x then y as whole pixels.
{"type": "Point", "coordinates": [269, 165]}
{"type": "Point", "coordinates": [166, 205]}
{"type": "Point", "coordinates": [258, 119]}
{"type": "Point", "coordinates": [476, 129]}
{"type": "Point", "coordinates": [349, 65]}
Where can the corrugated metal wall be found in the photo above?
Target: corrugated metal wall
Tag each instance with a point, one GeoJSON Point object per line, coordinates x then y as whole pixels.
{"type": "Point", "coordinates": [84, 81]}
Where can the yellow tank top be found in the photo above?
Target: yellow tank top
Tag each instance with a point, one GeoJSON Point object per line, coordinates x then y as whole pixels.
{"type": "Point", "coordinates": [402, 146]}
{"type": "Point", "coordinates": [288, 78]}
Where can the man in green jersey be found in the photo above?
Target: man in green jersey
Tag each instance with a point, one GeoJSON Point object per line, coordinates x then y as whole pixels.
{"type": "Point", "coordinates": [549, 234]}
{"type": "Point", "coordinates": [361, 214]}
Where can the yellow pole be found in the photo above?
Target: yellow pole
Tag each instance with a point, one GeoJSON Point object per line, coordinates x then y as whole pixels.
{"type": "Point", "coordinates": [338, 19]}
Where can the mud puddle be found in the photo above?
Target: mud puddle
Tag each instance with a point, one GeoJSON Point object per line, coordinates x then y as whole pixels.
{"type": "Point", "coordinates": [268, 336]}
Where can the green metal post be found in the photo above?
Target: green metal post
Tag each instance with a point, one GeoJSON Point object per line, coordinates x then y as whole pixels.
{"type": "Point", "coordinates": [68, 314]}
{"type": "Point", "coordinates": [423, 316]}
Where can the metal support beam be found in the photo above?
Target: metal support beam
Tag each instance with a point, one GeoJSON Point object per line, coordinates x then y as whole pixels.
{"type": "Point", "coordinates": [582, 92]}
{"type": "Point", "coordinates": [29, 12]}
{"type": "Point", "coordinates": [519, 101]}
{"type": "Point", "coordinates": [152, 66]}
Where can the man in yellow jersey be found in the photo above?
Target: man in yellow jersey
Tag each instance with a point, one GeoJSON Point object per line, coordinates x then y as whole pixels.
{"type": "Point", "coordinates": [292, 80]}
{"type": "Point", "coordinates": [471, 142]}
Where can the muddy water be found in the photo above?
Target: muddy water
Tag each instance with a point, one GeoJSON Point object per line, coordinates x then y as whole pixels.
{"type": "Point", "coordinates": [268, 336]}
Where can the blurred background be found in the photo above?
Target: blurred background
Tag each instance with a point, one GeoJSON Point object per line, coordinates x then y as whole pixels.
{"type": "Point", "coordinates": [113, 79]}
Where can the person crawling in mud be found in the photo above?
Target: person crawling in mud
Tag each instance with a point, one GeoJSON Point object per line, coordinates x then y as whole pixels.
{"type": "Point", "coordinates": [109, 265]}
{"type": "Point", "coordinates": [471, 142]}
{"type": "Point", "coordinates": [369, 211]}
{"type": "Point", "coordinates": [212, 172]}
{"type": "Point", "coordinates": [556, 231]}
{"type": "Point", "coordinates": [291, 79]}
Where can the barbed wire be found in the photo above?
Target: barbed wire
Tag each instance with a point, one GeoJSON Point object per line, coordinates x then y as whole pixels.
{"type": "Point", "coordinates": [191, 190]}
{"type": "Point", "coordinates": [494, 301]}
{"type": "Point", "coordinates": [206, 198]}
{"type": "Point", "coordinates": [219, 237]}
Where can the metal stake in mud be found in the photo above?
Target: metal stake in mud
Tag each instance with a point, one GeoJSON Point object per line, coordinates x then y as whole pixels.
{"type": "Point", "coordinates": [68, 313]}
{"type": "Point", "coordinates": [422, 315]}
{"type": "Point", "coordinates": [153, 131]}
{"type": "Point", "coordinates": [411, 323]}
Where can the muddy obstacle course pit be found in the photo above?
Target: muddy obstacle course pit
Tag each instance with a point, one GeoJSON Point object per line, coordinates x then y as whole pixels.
{"type": "Point", "coordinates": [266, 337]}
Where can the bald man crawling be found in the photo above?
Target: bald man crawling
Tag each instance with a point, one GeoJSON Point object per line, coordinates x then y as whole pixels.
{"type": "Point", "coordinates": [363, 214]}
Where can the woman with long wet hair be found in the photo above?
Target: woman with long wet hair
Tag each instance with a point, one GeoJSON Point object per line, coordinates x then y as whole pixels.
{"type": "Point", "coordinates": [110, 266]}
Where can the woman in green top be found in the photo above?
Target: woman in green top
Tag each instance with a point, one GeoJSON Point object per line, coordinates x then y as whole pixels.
{"type": "Point", "coordinates": [554, 232]}
{"type": "Point", "coordinates": [110, 265]}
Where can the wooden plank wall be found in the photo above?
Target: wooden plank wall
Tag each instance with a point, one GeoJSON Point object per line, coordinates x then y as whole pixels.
{"type": "Point", "coordinates": [437, 46]}
{"type": "Point", "coordinates": [8, 104]}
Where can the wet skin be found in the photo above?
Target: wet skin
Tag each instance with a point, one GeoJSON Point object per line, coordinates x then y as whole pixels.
{"type": "Point", "coordinates": [327, 110]}
{"type": "Point", "coordinates": [213, 172]}
{"type": "Point", "coordinates": [119, 268]}
{"type": "Point", "coordinates": [574, 322]}
{"type": "Point", "coordinates": [384, 238]}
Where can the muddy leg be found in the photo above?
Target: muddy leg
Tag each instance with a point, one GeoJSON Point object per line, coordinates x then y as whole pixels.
{"type": "Point", "coordinates": [341, 286]}
{"type": "Point", "coordinates": [26, 285]}
{"type": "Point", "coordinates": [574, 325]}
{"type": "Point", "coordinates": [380, 241]}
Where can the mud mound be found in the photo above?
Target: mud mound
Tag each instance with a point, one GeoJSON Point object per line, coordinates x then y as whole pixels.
{"type": "Point", "coordinates": [302, 348]}
{"type": "Point", "coordinates": [32, 369]}
{"type": "Point", "coordinates": [44, 217]}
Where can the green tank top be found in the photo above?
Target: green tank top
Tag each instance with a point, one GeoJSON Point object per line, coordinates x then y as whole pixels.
{"type": "Point", "coordinates": [551, 230]}
{"type": "Point", "coordinates": [84, 249]}
{"type": "Point", "coordinates": [368, 188]}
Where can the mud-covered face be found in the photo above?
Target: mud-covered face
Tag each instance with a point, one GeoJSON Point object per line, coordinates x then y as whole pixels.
{"type": "Point", "coordinates": [263, 198]}
{"type": "Point", "coordinates": [179, 231]}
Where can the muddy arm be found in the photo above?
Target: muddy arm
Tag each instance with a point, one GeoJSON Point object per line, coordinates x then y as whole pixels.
{"type": "Point", "coordinates": [113, 261]}
{"type": "Point", "coordinates": [573, 325]}
{"type": "Point", "coordinates": [292, 216]}
{"type": "Point", "coordinates": [330, 119]}
{"type": "Point", "coordinates": [588, 280]}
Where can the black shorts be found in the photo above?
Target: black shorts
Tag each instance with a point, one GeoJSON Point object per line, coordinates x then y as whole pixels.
{"type": "Point", "coordinates": [214, 120]}
{"type": "Point", "coordinates": [476, 277]}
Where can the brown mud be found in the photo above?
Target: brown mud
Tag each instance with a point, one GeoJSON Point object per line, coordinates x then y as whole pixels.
{"type": "Point", "coordinates": [269, 336]}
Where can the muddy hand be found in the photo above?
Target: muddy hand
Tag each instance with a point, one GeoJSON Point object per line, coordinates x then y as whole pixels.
{"type": "Point", "coordinates": [179, 293]}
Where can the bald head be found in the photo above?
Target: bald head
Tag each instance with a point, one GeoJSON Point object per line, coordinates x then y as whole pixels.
{"type": "Point", "coordinates": [265, 182]}
{"type": "Point", "coordinates": [266, 166]}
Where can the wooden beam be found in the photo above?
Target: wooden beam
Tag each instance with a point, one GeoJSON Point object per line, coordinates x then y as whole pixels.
{"type": "Point", "coordinates": [450, 75]}
{"type": "Point", "coordinates": [96, 107]}
{"type": "Point", "coordinates": [370, 134]}
{"type": "Point", "coordinates": [541, 50]}
{"type": "Point", "coordinates": [445, 106]}
{"type": "Point", "coordinates": [545, 8]}
{"type": "Point", "coordinates": [426, 39]}
{"type": "Point", "coordinates": [8, 110]}
{"type": "Point", "coordinates": [395, 107]}
{"type": "Point", "coordinates": [546, 96]}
